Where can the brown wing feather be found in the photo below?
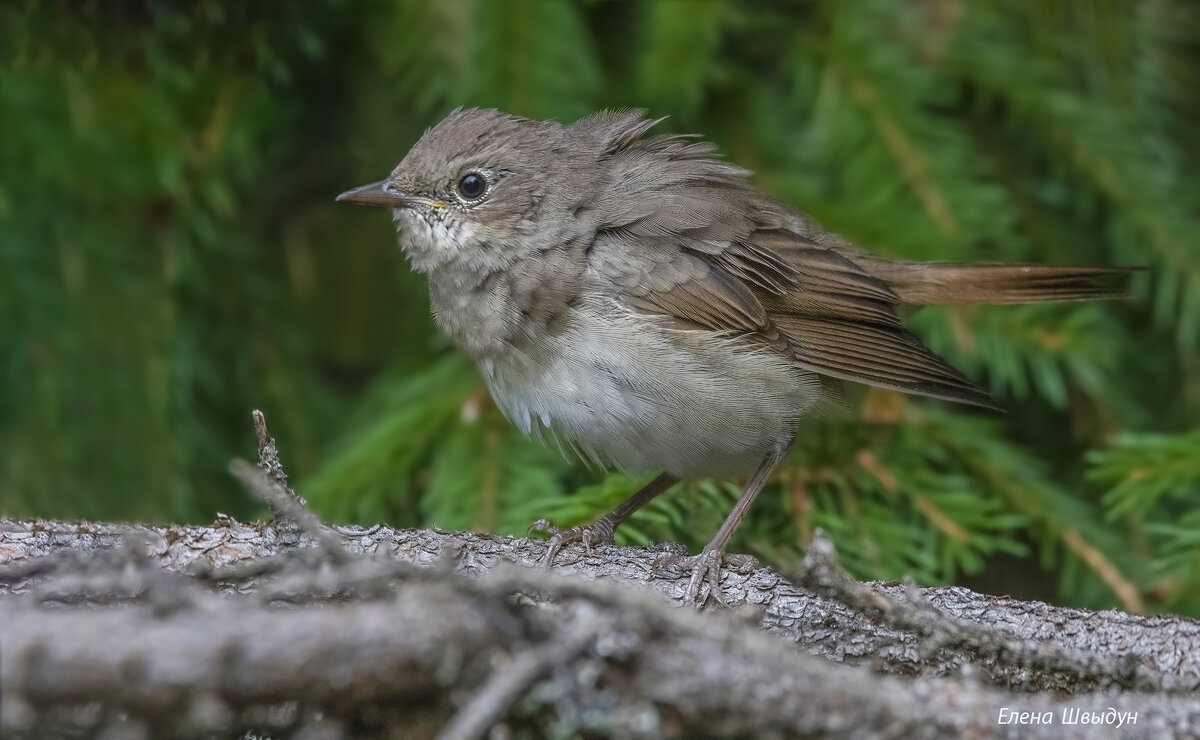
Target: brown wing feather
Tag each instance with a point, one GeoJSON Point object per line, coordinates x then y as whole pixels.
{"type": "Point", "coordinates": [881, 356]}
{"type": "Point", "coordinates": [667, 280]}
{"type": "Point", "coordinates": [842, 322]}
{"type": "Point", "coordinates": [688, 237]}
{"type": "Point", "coordinates": [831, 318]}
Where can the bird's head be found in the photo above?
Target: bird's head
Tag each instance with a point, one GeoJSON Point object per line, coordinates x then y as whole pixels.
{"type": "Point", "coordinates": [482, 189]}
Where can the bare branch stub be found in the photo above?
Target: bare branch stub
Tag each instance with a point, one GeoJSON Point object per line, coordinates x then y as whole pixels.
{"type": "Point", "coordinates": [269, 484]}
{"type": "Point", "coordinates": [289, 509]}
{"type": "Point", "coordinates": [268, 453]}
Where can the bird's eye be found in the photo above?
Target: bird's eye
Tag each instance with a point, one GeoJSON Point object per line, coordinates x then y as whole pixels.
{"type": "Point", "coordinates": [472, 185]}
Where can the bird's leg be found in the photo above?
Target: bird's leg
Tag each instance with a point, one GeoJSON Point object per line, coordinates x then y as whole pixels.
{"type": "Point", "coordinates": [707, 565]}
{"type": "Point", "coordinates": [602, 529]}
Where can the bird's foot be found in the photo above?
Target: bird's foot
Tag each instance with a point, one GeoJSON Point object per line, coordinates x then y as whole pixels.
{"type": "Point", "coordinates": [599, 532]}
{"type": "Point", "coordinates": [705, 570]}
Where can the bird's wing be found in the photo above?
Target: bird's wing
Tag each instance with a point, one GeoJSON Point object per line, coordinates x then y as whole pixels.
{"type": "Point", "coordinates": [686, 236]}
{"type": "Point", "coordinates": [828, 315]}
{"type": "Point", "coordinates": [654, 275]}
{"type": "Point", "coordinates": [843, 322]}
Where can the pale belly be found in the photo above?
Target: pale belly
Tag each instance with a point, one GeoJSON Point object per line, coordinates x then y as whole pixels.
{"type": "Point", "coordinates": [639, 396]}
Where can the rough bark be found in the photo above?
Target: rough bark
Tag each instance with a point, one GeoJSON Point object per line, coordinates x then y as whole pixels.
{"type": "Point", "coordinates": [296, 627]}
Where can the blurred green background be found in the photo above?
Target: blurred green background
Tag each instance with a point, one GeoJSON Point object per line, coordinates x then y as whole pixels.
{"type": "Point", "coordinates": [171, 257]}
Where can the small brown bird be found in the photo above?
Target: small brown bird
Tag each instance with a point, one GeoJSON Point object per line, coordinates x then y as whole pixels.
{"type": "Point", "coordinates": [641, 301]}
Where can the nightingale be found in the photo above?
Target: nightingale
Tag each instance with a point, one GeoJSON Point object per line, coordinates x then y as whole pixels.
{"type": "Point", "coordinates": [638, 299]}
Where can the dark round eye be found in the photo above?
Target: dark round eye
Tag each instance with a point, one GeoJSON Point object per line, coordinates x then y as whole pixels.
{"type": "Point", "coordinates": [472, 185]}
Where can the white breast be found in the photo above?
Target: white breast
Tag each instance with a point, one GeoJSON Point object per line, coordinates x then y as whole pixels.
{"type": "Point", "coordinates": [628, 391]}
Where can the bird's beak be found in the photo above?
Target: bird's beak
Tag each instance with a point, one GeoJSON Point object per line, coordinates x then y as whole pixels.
{"type": "Point", "coordinates": [382, 193]}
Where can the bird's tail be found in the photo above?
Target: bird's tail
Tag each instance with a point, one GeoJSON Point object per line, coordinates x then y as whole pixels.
{"type": "Point", "coordinates": [945, 283]}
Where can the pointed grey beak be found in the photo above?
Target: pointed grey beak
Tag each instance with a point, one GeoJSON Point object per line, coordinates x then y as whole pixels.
{"type": "Point", "coordinates": [381, 193]}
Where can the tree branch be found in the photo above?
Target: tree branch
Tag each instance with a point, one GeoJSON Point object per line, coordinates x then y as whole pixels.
{"type": "Point", "coordinates": [294, 625]}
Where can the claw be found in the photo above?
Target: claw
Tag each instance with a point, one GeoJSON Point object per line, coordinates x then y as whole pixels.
{"type": "Point", "coordinates": [601, 530]}
{"type": "Point", "coordinates": [545, 526]}
{"type": "Point", "coordinates": [705, 569]}
{"type": "Point", "coordinates": [598, 532]}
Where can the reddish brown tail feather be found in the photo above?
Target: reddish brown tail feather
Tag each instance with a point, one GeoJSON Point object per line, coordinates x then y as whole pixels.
{"type": "Point", "coordinates": [925, 283]}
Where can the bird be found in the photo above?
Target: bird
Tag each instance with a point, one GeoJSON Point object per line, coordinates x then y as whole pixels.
{"type": "Point", "coordinates": [636, 298]}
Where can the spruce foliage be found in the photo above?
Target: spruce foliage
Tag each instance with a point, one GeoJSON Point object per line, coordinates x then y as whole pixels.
{"type": "Point", "coordinates": [170, 257]}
